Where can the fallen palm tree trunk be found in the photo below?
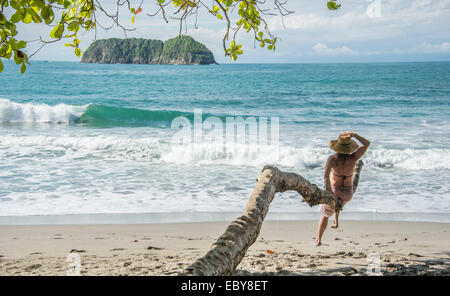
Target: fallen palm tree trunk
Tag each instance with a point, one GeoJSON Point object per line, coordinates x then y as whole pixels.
{"type": "Point", "coordinates": [229, 249]}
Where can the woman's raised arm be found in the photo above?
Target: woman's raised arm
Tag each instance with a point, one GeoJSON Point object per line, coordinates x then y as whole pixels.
{"type": "Point", "coordinates": [365, 145]}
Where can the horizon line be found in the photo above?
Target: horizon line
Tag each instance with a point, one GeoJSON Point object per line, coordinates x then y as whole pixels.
{"type": "Point", "coordinates": [268, 63]}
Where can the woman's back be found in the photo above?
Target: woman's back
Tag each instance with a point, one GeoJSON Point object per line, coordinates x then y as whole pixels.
{"type": "Point", "coordinates": [342, 168]}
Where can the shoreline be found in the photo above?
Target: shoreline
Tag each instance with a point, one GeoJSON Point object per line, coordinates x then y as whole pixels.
{"type": "Point", "coordinates": [193, 217]}
{"type": "Point", "coordinates": [404, 248]}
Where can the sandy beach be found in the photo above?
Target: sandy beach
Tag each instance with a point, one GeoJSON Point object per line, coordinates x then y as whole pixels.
{"type": "Point", "coordinates": [283, 248]}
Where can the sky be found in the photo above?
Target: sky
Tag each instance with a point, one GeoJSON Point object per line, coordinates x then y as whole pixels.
{"type": "Point", "coordinates": [361, 31]}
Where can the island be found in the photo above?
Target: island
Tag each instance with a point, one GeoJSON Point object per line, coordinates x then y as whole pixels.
{"type": "Point", "coordinates": [182, 50]}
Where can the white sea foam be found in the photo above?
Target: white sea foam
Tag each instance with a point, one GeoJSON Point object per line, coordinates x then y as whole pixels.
{"type": "Point", "coordinates": [121, 173]}
{"type": "Point", "coordinates": [156, 150]}
{"type": "Point", "coordinates": [12, 112]}
{"type": "Point", "coordinates": [308, 157]}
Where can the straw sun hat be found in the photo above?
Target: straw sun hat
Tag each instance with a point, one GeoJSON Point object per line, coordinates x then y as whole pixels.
{"type": "Point", "coordinates": [344, 145]}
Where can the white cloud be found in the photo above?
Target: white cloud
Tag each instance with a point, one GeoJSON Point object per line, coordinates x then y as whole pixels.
{"type": "Point", "coordinates": [443, 47]}
{"type": "Point", "coordinates": [323, 49]}
{"type": "Point", "coordinates": [398, 18]}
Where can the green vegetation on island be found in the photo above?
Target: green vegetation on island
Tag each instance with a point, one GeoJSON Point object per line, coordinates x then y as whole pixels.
{"type": "Point", "coordinates": [183, 50]}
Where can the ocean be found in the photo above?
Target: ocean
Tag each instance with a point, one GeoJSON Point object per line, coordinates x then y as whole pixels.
{"type": "Point", "coordinates": [80, 139]}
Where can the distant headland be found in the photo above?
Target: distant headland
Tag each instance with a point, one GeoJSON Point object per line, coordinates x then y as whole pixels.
{"type": "Point", "coordinates": [182, 50]}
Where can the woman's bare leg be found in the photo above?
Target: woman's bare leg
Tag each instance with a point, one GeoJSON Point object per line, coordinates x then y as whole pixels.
{"type": "Point", "coordinates": [321, 228]}
{"type": "Point", "coordinates": [336, 220]}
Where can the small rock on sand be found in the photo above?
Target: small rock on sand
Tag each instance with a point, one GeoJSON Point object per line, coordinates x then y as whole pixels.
{"type": "Point", "coordinates": [154, 248]}
{"type": "Point", "coordinates": [32, 267]}
{"type": "Point", "coordinates": [349, 271]}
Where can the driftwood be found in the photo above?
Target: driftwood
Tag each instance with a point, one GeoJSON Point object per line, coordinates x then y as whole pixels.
{"type": "Point", "coordinates": [229, 249]}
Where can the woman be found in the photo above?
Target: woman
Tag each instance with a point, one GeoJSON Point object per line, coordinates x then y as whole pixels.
{"type": "Point", "coordinates": [341, 165]}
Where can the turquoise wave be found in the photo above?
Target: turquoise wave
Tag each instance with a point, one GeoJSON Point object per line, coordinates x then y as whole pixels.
{"type": "Point", "coordinates": [97, 115]}
{"type": "Point", "coordinates": [101, 115]}
{"type": "Point", "coordinates": [90, 114]}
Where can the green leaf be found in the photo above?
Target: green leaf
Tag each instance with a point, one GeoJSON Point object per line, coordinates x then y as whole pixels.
{"type": "Point", "coordinates": [45, 12]}
{"type": "Point", "coordinates": [1, 66]}
{"type": "Point", "coordinates": [34, 16]}
{"type": "Point", "coordinates": [37, 3]}
{"type": "Point", "coordinates": [23, 68]}
{"type": "Point", "coordinates": [57, 31]}
{"type": "Point", "coordinates": [16, 17]}
{"type": "Point", "coordinates": [14, 4]}
{"type": "Point", "coordinates": [17, 60]}
{"type": "Point", "coordinates": [66, 3]}
{"type": "Point", "coordinates": [132, 19]}
{"type": "Point", "coordinates": [87, 24]}
{"type": "Point", "coordinates": [73, 26]}
{"type": "Point", "coordinates": [21, 44]}
{"type": "Point", "coordinates": [332, 5]}
{"type": "Point", "coordinates": [27, 19]}
{"type": "Point", "coordinates": [78, 52]}
{"type": "Point", "coordinates": [13, 31]}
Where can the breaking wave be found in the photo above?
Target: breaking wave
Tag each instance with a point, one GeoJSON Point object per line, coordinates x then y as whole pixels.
{"type": "Point", "coordinates": [159, 150]}
{"type": "Point", "coordinates": [91, 114]}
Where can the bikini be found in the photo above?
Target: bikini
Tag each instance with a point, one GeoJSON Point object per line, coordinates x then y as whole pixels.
{"type": "Point", "coordinates": [346, 190]}
{"type": "Point", "coordinates": [344, 193]}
